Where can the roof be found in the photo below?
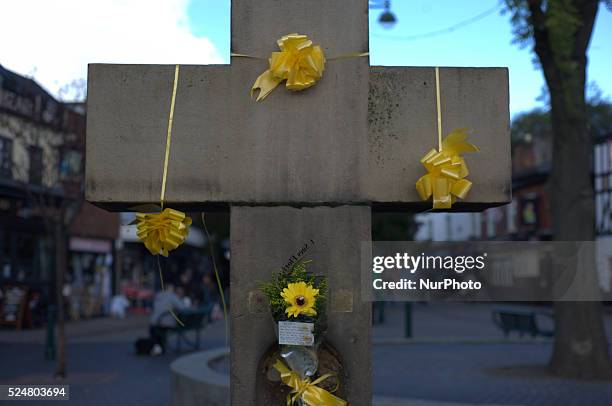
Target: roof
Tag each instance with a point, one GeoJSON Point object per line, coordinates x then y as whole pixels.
{"type": "Point", "coordinates": [24, 97]}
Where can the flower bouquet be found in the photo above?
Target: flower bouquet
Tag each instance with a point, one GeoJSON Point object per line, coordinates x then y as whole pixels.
{"type": "Point", "coordinates": [297, 301]}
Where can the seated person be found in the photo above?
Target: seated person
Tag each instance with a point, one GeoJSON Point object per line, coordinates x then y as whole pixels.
{"type": "Point", "coordinates": [161, 317]}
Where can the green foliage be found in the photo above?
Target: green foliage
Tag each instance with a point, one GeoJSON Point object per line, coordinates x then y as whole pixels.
{"type": "Point", "coordinates": [562, 22]}
{"type": "Point", "coordinates": [537, 123]}
{"type": "Point", "coordinates": [599, 113]}
{"type": "Point", "coordinates": [522, 30]}
{"type": "Point", "coordinates": [297, 273]}
{"type": "Point", "coordinates": [560, 19]}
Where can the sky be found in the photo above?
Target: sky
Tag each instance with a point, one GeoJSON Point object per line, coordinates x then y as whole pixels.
{"type": "Point", "coordinates": [55, 43]}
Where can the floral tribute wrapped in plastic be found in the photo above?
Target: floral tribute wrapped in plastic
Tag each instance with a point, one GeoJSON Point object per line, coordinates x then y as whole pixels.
{"type": "Point", "coordinates": [297, 301]}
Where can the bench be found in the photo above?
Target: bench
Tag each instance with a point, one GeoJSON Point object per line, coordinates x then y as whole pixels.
{"type": "Point", "coordinates": [522, 321]}
{"type": "Point", "coordinates": [192, 320]}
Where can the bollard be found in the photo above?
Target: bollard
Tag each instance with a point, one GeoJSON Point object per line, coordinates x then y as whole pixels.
{"type": "Point", "coordinates": [50, 342]}
{"type": "Point", "coordinates": [408, 320]}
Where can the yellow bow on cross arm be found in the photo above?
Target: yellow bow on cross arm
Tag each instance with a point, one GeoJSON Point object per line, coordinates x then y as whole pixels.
{"type": "Point", "coordinates": [162, 232]}
{"type": "Point", "coordinates": [300, 63]}
{"type": "Point", "coordinates": [303, 389]}
{"type": "Point", "coordinates": [447, 170]}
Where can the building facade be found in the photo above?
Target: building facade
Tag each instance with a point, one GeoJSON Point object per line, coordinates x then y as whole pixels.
{"type": "Point", "coordinates": [41, 173]}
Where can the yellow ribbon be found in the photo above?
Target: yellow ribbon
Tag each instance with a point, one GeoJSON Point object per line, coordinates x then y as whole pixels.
{"type": "Point", "coordinates": [446, 168]}
{"type": "Point", "coordinates": [162, 232]}
{"type": "Point", "coordinates": [300, 63]}
{"type": "Point", "coordinates": [308, 391]}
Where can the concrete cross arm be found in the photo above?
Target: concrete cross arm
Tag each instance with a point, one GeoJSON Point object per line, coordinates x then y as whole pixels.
{"type": "Point", "coordinates": [356, 137]}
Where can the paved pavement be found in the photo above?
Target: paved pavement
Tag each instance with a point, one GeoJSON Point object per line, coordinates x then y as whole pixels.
{"type": "Point", "coordinates": [505, 374]}
{"type": "Point", "coordinates": [439, 367]}
{"type": "Point", "coordinates": [454, 321]}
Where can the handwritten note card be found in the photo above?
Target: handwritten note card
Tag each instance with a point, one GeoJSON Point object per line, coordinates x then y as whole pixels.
{"type": "Point", "coordinates": [295, 333]}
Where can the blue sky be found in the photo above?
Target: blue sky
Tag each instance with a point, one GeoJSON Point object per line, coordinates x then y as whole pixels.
{"type": "Point", "coordinates": [487, 42]}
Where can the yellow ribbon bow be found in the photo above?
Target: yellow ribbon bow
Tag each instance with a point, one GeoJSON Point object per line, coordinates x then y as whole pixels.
{"type": "Point", "coordinates": [447, 170]}
{"type": "Point", "coordinates": [303, 389]}
{"type": "Point", "coordinates": [162, 232]}
{"type": "Point", "coordinates": [300, 63]}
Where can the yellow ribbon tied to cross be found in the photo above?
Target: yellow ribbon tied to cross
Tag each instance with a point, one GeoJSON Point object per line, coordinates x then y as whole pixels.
{"type": "Point", "coordinates": [306, 390]}
{"type": "Point", "coordinates": [446, 171]}
{"type": "Point", "coordinates": [166, 230]}
{"type": "Point", "coordinates": [162, 232]}
{"type": "Point", "coordinates": [446, 168]}
{"type": "Point", "coordinates": [300, 63]}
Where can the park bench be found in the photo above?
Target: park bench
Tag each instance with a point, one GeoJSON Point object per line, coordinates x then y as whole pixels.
{"type": "Point", "coordinates": [522, 321]}
{"type": "Point", "coordinates": [193, 320]}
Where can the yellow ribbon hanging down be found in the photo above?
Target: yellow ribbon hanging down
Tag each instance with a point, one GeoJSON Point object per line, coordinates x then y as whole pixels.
{"type": "Point", "coordinates": [164, 231]}
{"type": "Point", "coordinates": [303, 389]}
{"type": "Point", "coordinates": [300, 63]}
{"type": "Point", "coordinates": [447, 170]}
{"type": "Point", "coordinates": [446, 167]}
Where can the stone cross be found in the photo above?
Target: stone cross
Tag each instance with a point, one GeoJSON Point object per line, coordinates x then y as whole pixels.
{"type": "Point", "coordinates": [295, 167]}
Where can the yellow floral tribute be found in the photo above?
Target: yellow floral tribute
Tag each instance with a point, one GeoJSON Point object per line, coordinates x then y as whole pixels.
{"type": "Point", "coordinates": [301, 299]}
{"type": "Point", "coordinates": [297, 299]}
{"type": "Point", "coordinates": [296, 294]}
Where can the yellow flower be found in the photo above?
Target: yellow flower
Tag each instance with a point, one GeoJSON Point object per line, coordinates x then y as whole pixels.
{"type": "Point", "coordinates": [300, 298]}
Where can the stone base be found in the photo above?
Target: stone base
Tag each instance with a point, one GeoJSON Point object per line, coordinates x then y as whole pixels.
{"type": "Point", "coordinates": [195, 383]}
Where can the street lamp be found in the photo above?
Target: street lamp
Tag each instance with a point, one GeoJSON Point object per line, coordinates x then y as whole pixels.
{"type": "Point", "coordinates": [386, 19]}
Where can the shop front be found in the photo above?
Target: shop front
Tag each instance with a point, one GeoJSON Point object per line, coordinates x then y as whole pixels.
{"type": "Point", "coordinates": [26, 262]}
{"type": "Point", "coordinates": [88, 285]}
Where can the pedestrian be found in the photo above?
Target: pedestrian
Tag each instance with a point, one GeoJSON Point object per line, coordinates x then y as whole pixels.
{"type": "Point", "coordinates": [162, 319]}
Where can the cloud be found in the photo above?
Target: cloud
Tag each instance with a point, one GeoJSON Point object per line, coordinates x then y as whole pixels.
{"type": "Point", "coordinates": [53, 41]}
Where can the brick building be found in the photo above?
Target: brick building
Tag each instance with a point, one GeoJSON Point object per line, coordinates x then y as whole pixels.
{"type": "Point", "coordinates": [41, 169]}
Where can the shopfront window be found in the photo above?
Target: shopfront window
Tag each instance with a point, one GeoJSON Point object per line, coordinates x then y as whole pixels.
{"type": "Point", "coordinates": [5, 255]}
{"type": "Point", "coordinates": [71, 165]}
{"type": "Point", "coordinates": [26, 250]}
{"type": "Point", "coordinates": [36, 165]}
{"type": "Point", "coordinates": [6, 157]}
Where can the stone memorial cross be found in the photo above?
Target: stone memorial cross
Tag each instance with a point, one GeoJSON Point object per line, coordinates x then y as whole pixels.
{"type": "Point", "coordinates": [295, 167]}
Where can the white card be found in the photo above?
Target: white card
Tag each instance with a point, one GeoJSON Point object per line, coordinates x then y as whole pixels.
{"type": "Point", "coordinates": [295, 333]}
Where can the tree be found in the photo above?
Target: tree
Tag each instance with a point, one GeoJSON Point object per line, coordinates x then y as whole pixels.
{"type": "Point", "coordinates": [559, 32]}
{"type": "Point", "coordinates": [536, 123]}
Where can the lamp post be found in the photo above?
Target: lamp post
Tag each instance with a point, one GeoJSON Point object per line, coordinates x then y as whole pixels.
{"type": "Point", "coordinates": [386, 19]}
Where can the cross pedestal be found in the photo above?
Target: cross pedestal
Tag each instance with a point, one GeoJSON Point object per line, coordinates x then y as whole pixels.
{"type": "Point", "coordinates": [264, 237]}
{"type": "Point", "coordinates": [296, 166]}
